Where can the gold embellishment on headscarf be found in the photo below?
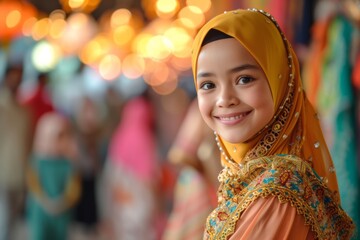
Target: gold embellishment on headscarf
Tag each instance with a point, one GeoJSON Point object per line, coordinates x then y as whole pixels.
{"type": "Point", "coordinates": [228, 159]}
{"type": "Point", "coordinates": [263, 147]}
{"type": "Point", "coordinates": [281, 116]}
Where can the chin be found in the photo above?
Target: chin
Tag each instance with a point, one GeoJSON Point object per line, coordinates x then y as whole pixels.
{"type": "Point", "coordinates": [232, 139]}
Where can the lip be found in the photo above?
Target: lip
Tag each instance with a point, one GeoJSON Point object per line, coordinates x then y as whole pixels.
{"type": "Point", "coordinates": [233, 118]}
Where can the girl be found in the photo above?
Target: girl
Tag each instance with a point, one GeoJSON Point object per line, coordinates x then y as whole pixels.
{"type": "Point", "coordinates": [53, 183]}
{"type": "Point", "coordinates": [278, 180]}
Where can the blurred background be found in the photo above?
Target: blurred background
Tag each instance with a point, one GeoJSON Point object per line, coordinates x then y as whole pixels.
{"type": "Point", "coordinates": [100, 137]}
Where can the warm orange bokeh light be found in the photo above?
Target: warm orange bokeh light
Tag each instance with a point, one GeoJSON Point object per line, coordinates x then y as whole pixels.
{"type": "Point", "coordinates": [133, 66]}
{"type": "Point", "coordinates": [204, 5]}
{"type": "Point", "coordinates": [13, 16]}
{"type": "Point", "coordinates": [110, 67]}
{"type": "Point", "coordinates": [139, 44]}
{"type": "Point", "coordinates": [156, 73]}
{"type": "Point", "coordinates": [95, 50]}
{"type": "Point", "coordinates": [180, 64]}
{"type": "Point", "coordinates": [57, 28]}
{"type": "Point", "coordinates": [166, 8]}
{"type": "Point", "coordinates": [41, 29]}
{"type": "Point", "coordinates": [120, 17]}
{"type": "Point", "coordinates": [166, 88]}
{"type": "Point", "coordinates": [123, 34]}
{"type": "Point", "coordinates": [86, 6]}
{"type": "Point", "coordinates": [80, 29]}
{"type": "Point", "coordinates": [159, 47]}
{"type": "Point", "coordinates": [57, 14]}
{"type": "Point", "coordinates": [28, 26]}
{"type": "Point", "coordinates": [120, 44]}
{"type": "Point", "coordinates": [193, 16]}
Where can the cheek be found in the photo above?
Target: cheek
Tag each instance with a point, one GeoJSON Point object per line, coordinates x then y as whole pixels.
{"type": "Point", "coordinates": [205, 108]}
{"type": "Point", "coordinates": [267, 110]}
{"type": "Point", "coordinates": [263, 102]}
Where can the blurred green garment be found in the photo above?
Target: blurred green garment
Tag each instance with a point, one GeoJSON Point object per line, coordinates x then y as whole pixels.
{"type": "Point", "coordinates": [336, 105]}
{"type": "Point", "coordinates": [51, 181]}
{"type": "Point", "coordinates": [53, 184]}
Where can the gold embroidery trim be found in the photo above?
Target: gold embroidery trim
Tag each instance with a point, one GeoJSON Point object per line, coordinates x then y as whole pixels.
{"type": "Point", "coordinates": [282, 193]}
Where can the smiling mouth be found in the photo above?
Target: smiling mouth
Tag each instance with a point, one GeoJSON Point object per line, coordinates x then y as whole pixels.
{"type": "Point", "coordinates": [233, 118]}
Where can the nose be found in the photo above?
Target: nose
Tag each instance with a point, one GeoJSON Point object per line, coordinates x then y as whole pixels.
{"type": "Point", "coordinates": [227, 97]}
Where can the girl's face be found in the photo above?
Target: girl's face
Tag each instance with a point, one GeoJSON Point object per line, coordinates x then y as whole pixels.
{"type": "Point", "coordinates": [233, 93]}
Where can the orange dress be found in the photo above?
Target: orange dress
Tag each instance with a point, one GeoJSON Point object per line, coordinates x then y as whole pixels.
{"type": "Point", "coordinates": [276, 197]}
{"type": "Point", "coordinates": [268, 218]}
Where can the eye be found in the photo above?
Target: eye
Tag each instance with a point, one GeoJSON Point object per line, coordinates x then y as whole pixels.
{"type": "Point", "coordinates": [207, 85]}
{"type": "Point", "coordinates": [245, 80]}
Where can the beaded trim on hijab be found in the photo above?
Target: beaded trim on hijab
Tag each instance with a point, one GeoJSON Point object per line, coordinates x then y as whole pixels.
{"type": "Point", "coordinates": [280, 117]}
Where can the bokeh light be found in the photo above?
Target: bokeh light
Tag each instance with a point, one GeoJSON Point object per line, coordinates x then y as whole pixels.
{"type": "Point", "coordinates": [45, 56]}
{"type": "Point", "coordinates": [110, 67]}
{"type": "Point", "coordinates": [123, 34]}
{"type": "Point", "coordinates": [156, 73]}
{"type": "Point", "coordinates": [80, 29]}
{"type": "Point", "coordinates": [133, 66]}
{"type": "Point", "coordinates": [95, 49]}
{"type": "Point", "coordinates": [57, 28]}
{"type": "Point", "coordinates": [120, 17]}
{"type": "Point", "coordinates": [166, 88]}
{"type": "Point", "coordinates": [166, 8]}
{"type": "Point", "coordinates": [13, 16]}
{"type": "Point", "coordinates": [28, 26]}
{"type": "Point", "coordinates": [80, 5]}
{"type": "Point", "coordinates": [204, 5]}
{"type": "Point", "coordinates": [41, 29]}
{"type": "Point", "coordinates": [192, 16]}
{"type": "Point", "coordinates": [159, 47]}
{"type": "Point", "coordinates": [120, 38]}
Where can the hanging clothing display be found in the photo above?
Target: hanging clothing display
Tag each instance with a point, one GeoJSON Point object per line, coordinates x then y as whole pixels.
{"type": "Point", "coordinates": [336, 106]}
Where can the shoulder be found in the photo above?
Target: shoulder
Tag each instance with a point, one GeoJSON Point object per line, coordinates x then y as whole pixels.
{"type": "Point", "coordinates": [286, 171]}
{"type": "Point", "coordinates": [290, 180]}
{"type": "Point", "coordinates": [293, 180]}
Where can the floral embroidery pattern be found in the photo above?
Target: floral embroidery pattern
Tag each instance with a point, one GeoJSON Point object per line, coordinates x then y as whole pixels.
{"type": "Point", "coordinates": [291, 180]}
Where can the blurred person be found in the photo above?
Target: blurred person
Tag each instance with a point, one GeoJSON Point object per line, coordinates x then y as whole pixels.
{"type": "Point", "coordinates": [88, 131]}
{"type": "Point", "coordinates": [195, 153]}
{"type": "Point", "coordinates": [53, 183]}
{"type": "Point", "coordinates": [114, 102]}
{"type": "Point", "coordinates": [15, 144]}
{"type": "Point", "coordinates": [131, 173]}
{"type": "Point", "coordinates": [39, 102]}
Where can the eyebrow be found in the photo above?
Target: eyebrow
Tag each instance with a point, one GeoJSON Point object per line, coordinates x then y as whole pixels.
{"type": "Point", "coordinates": [233, 70]}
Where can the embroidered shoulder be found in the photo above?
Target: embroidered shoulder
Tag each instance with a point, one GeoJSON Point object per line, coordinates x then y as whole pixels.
{"type": "Point", "coordinates": [291, 180]}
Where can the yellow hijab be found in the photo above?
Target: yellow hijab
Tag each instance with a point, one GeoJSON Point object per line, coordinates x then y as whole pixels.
{"type": "Point", "coordinates": [295, 128]}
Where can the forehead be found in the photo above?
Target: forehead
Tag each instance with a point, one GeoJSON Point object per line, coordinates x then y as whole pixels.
{"type": "Point", "coordinates": [223, 53]}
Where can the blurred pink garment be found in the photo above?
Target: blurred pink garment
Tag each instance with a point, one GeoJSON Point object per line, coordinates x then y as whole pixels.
{"type": "Point", "coordinates": [130, 174]}
{"type": "Point", "coordinates": [268, 218]}
{"type": "Point", "coordinates": [133, 143]}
